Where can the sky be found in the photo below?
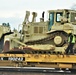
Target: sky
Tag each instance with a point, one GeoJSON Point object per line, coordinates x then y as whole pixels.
{"type": "Point", "coordinates": [13, 11]}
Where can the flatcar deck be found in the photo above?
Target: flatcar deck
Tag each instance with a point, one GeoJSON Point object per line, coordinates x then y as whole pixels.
{"type": "Point", "coordinates": [38, 60]}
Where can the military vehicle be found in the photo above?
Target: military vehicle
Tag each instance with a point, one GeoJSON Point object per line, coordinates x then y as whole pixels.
{"type": "Point", "coordinates": [4, 30]}
{"type": "Point", "coordinates": [52, 32]}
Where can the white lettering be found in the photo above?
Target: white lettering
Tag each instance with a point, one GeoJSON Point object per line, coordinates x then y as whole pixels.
{"type": "Point", "coordinates": [15, 58]}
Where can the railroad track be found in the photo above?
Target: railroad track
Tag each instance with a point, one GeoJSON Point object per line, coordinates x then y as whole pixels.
{"type": "Point", "coordinates": [34, 71]}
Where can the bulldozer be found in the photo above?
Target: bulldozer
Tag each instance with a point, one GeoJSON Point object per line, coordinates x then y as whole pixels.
{"type": "Point", "coordinates": [39, 35]}
{"type": "Point", "coordinates": [59, 24]}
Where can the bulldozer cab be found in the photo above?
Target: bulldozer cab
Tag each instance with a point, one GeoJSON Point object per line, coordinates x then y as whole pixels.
{"type": "Point", "coordinates": [61, 16]}
{"type": "Point", "coordinates": [55, 17]}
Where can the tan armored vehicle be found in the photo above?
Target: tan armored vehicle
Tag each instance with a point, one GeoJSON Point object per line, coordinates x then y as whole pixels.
{"type": "Point", "coordinates": [52, 32]}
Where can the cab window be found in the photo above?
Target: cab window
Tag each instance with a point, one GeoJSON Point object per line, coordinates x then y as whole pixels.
{"type": "Point", "coordinates": [73, 17]}
{"type": "Point", "coordinates": [51, 20]}
{"type": "Point", "coordinates": [58, 14]}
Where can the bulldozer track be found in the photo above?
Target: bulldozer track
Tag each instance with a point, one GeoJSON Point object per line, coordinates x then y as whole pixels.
{"type": "Point", "coordinates": [29, 51]}
{"type": "Point", "coordinates": [47, 39]}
